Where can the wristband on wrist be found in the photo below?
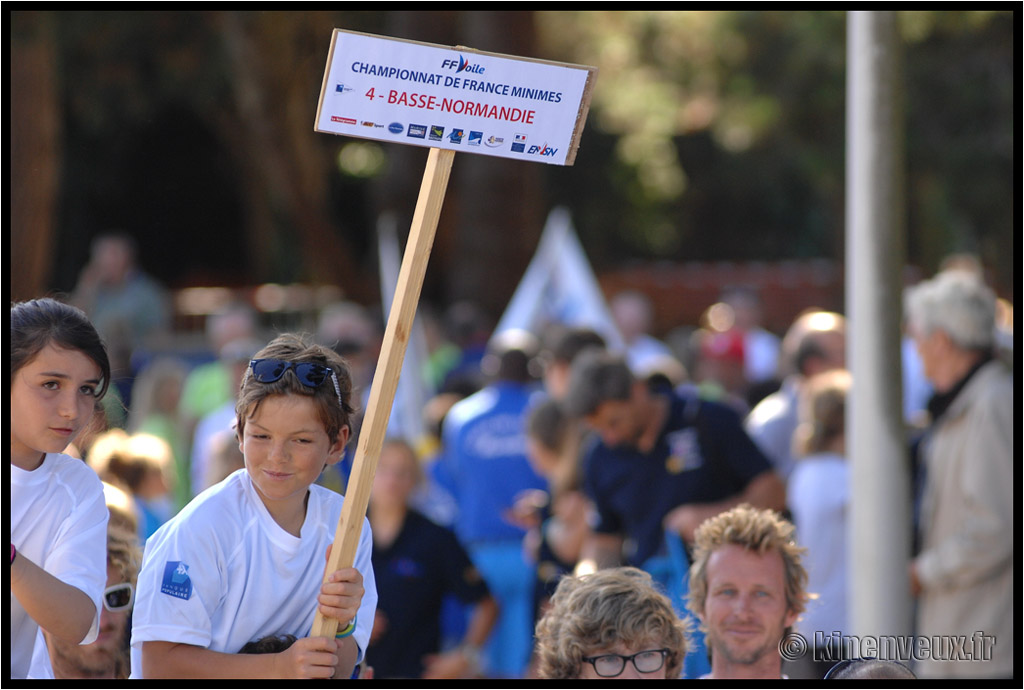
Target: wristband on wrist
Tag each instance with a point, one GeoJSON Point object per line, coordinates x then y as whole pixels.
{"type": "Point", "coordinates": [351, 628]}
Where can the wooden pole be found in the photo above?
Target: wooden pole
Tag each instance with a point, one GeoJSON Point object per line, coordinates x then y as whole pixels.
{"type": "Point", "coordinates": [389, 367]}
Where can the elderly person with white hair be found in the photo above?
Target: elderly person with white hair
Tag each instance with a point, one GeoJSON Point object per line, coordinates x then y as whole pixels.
{"type": "Point", "coordinates": [963, 573]}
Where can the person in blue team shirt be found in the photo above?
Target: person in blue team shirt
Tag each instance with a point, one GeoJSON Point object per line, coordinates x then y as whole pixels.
{"type": "Point", "coordinates": [484, 448]}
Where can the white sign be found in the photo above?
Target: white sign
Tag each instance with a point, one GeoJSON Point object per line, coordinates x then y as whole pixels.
{"type": "Point", "coordinates": [453, 98]}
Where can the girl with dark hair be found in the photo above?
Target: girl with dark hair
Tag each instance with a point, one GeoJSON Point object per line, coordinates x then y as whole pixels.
{"type": "Point", "coordinates": [59, 372]}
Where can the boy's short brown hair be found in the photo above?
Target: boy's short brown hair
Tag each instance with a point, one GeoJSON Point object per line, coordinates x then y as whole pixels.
{"type": "Point", "coordinates": [290, 347]}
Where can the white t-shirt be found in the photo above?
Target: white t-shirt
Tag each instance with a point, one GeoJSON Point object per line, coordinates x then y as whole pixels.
{"type": "Point", "coordinates": [41, 668]}
{"type": "Point", "coordinates": [217, 422]}
{"type": "Point", "coordinates": [59, 522]}
{"type": "Point", "coordinates": [223, 573]}
{"type": "Point", "coordinates": [818, 495]}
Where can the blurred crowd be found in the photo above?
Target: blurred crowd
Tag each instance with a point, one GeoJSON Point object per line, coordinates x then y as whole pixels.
{"type": "Point", "coordinates": [519, 474]}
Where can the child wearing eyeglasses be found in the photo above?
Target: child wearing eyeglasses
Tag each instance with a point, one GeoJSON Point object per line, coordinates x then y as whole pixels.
{"type": "Point", "coordinates": [612, 623]}
{"type": "Point", "coordinates": [59, 372]}
{"type": "Point", "coordinates": [245, 559]}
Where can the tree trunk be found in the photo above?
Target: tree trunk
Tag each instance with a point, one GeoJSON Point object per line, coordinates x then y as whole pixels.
{"type": "Point", "coordinates": [285, 180]}
{"type": "Point", "coordinates": [500, 201]}
{"type": "Point", "coordinates": [35, 152]}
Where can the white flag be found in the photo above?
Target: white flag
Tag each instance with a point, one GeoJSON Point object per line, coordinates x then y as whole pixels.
{"type": "Point", "coordinates": [559, 286]}
{"type": "Point", "coordinates": [413, 390]}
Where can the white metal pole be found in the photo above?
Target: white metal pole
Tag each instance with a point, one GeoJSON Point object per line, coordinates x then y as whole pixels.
{"type": "Point", "coordinates": [879, 601]}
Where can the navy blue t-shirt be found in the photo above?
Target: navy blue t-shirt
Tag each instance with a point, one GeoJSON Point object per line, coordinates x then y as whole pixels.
{"type": "Point", "coordinates": [413, 575]}
{"type": "Point", "coordinates": [702, 454]}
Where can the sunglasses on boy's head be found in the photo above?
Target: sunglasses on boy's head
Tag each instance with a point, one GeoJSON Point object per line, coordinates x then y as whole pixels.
{"type": "Point", "coordinates": [309, 374]}
{"type": "Point", "coordinates": [118, 597]}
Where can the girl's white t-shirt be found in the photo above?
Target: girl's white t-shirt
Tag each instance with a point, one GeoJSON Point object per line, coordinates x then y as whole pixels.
{"type": "Point", "coordinates": [818, 496]}
{"type": "Point", "coordinates": [223, 573]}
{"type": "Point", "coordinates": [59, 522]}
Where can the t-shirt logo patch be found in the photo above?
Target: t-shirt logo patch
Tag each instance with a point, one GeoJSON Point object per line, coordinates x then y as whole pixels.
{"type": "Point", "coordinates": [176, 580]}
{"type": "Point", "coordinates": [406, 567]}
{"type": "Point", "coordinates": [683, 451]}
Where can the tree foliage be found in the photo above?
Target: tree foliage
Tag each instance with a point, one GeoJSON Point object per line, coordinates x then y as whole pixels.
{"type": "Point", "coordinates": [713, 135]}
{"type": "Point", "coordinates": [729, 131]}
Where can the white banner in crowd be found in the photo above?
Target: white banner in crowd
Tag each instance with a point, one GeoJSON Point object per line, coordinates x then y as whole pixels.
{"type": "Point", "coordinates": [559, 286]}
{"type": "Point", "coordinates": [413, 392]}
{"type": "Point", "coordinates": [453, 98]}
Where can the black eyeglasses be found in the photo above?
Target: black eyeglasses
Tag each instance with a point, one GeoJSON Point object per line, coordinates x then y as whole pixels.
{"type": "Point", "coordinates": [309, 374]}
{"type": "Point", "coordinates": [611, 665]}
{"type": "Point", "coordinates": [118, 597]}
